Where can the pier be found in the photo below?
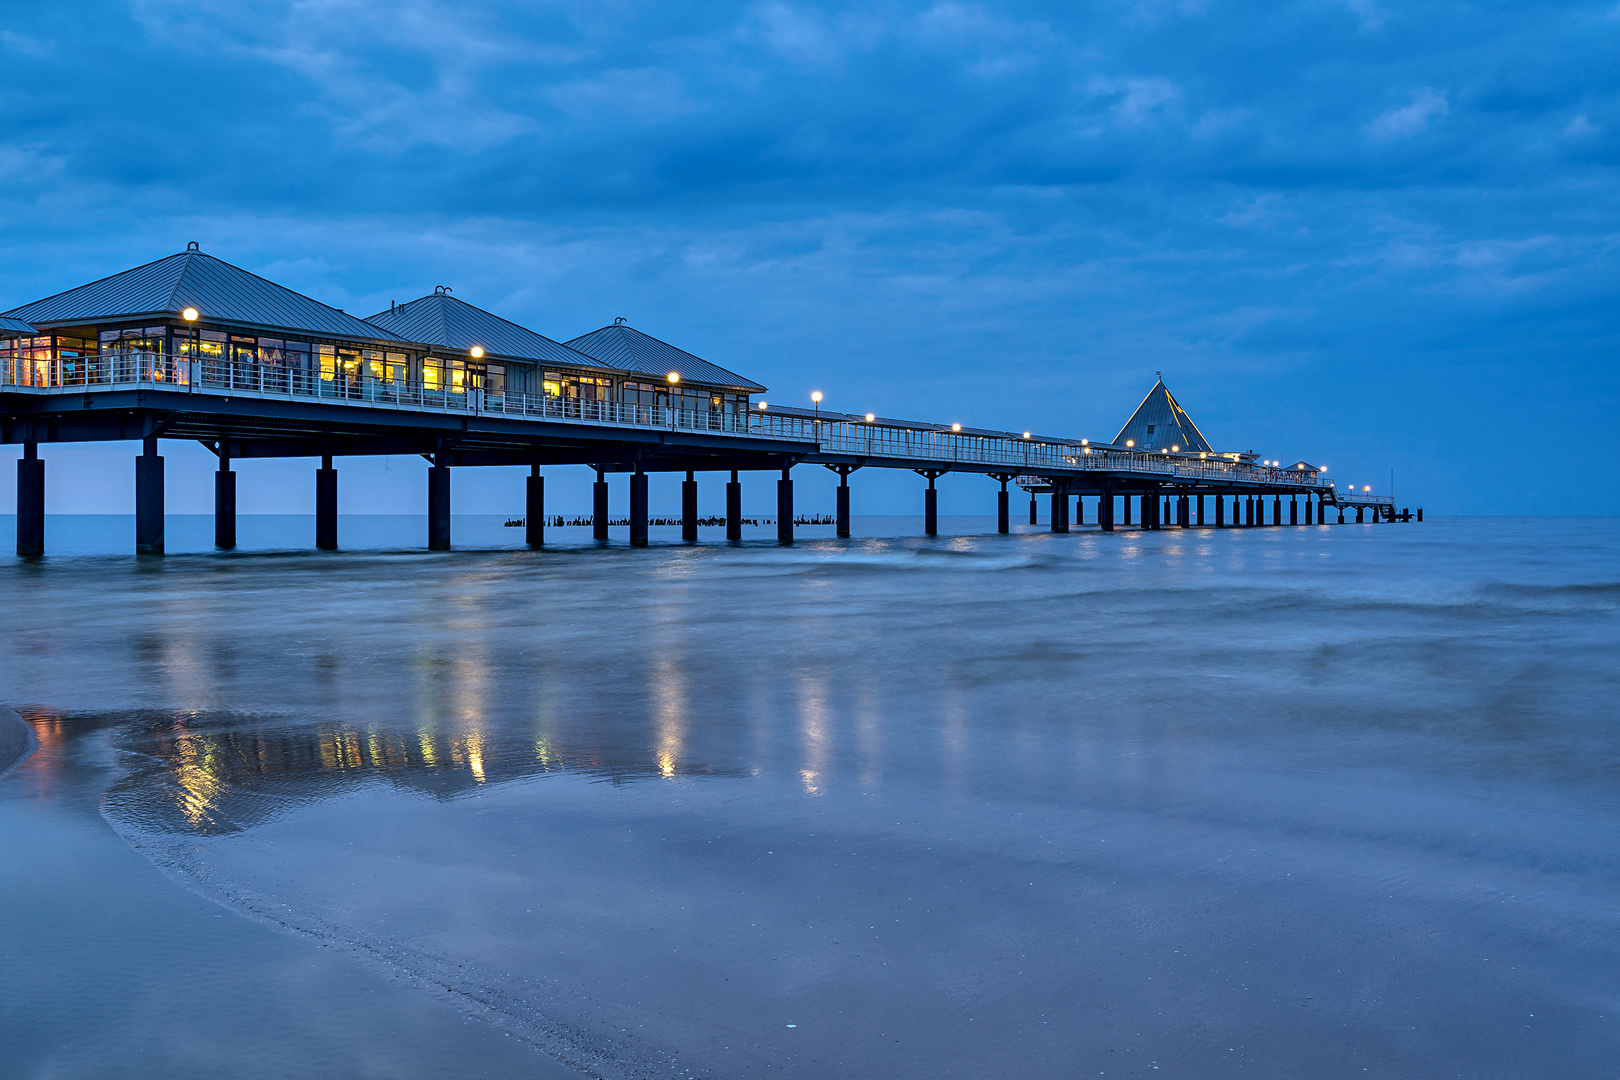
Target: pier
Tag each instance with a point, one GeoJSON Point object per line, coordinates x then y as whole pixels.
{"type": "Point", "coordinates": [191, 347]}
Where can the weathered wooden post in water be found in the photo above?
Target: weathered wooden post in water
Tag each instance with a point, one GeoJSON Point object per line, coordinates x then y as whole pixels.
{"type": "Point", "coordinates": [30, 502]}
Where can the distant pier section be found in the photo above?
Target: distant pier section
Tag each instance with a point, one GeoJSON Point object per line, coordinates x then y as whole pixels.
{"type": "Point", "coordinates": [192, 347]}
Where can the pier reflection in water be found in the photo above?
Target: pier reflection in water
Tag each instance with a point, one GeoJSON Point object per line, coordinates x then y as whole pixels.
{"type": "Point", "coordinates": [209, 774]}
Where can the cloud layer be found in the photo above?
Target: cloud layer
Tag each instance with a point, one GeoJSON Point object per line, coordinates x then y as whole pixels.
{"type": "Point", "coordinates": [1379, 236]}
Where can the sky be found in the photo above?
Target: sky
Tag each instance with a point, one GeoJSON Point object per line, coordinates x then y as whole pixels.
{"type": "Point", "coordinates": [1380, 237]}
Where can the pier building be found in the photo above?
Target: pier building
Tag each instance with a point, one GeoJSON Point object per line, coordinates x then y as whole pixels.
{"type": "Point", "coordinates": [191, 347]}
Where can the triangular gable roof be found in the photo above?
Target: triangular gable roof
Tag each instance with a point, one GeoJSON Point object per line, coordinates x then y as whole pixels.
{"type": "Point", "coordinates": [440, 319]}
{"type": "Point", "coordinates": [1159, 423]}
{"type": "Point", "coordinates": [220, 291]}
{"type": "Point", "coordinates": [628, 349]}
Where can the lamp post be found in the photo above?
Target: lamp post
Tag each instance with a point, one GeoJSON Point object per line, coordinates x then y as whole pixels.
{"type": "Point", "coordinates": [674, 378]}
{"type": "Point", "coordinates": [190, 315]}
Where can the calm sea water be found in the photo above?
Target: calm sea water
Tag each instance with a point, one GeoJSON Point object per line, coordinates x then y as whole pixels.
{"type": "Point", "coordinates": [1313, 802]}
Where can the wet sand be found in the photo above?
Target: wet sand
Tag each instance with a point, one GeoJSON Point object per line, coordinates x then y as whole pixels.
{"type": "Point", "coordinates": [16, 738]}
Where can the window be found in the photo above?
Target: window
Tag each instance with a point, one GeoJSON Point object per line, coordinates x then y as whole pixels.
{"type": "Point", "coordinates": [551, 384]}
{"type": "Point", "coordinates": [495, 379]}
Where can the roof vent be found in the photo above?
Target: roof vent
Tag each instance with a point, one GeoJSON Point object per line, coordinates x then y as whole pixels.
{"type": "Point", "coordinates": [193, 246]}
{"type": "Point", "coordinates": [440, 290]}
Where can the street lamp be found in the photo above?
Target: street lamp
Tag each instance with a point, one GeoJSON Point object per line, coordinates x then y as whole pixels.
{"type": "Point", "coordinates": [477, 352]}
{"type": "Point", "coordinates": [190, 315]}
{"type": "Point", "coordinates": [815, 397]}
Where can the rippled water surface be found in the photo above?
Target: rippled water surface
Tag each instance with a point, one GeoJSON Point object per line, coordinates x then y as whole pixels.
{"type": "Point", "coordinates": [1326, 801]}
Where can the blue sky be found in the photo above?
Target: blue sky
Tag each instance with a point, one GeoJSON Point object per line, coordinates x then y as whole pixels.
{"type": "Point", "coordinates": [1373, 235]}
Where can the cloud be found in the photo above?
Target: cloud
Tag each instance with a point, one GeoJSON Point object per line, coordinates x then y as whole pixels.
{"type": "Point", "coordinates": [1578, 128]}
{"type": "Point", "coordinates": [1410, 119]}
{"type": "Point", "coordinates": [1136, 100]}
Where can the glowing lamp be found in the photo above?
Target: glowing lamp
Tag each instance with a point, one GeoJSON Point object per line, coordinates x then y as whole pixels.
{"type": "Point", "coordinates": [870, 417]}
{"type": "Point", "coordinates": [815, 396]}
{"type": "Point", "coordinates": [190, 314]}
{"type": "Point", "coordinates": [956, 427]}
{"type": "Point", "coordinates": [674, 377]}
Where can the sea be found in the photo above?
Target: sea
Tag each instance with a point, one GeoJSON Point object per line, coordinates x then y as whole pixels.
{"type": "Point", "coordinates": [1316, 801]}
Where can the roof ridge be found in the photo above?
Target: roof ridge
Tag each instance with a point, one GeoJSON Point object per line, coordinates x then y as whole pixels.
{"type": "Point", "coordinates": [180, 278]}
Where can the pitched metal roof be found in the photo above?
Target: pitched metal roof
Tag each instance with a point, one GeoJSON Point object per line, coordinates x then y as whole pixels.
{"type": "Point", "coordinates": [15, 326]}
{"type": "Point", "coordinates": [220, 291]}
{"type": "Point", "coordinates": [623, 347]}
{"type": "Point", "coordinates": [1159, 423]}
{"type": "Point", "coordinates": [440, 319]}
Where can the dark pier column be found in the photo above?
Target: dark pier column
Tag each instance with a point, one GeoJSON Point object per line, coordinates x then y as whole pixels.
{"type": "Point", "coordinates": [1420, 515]}
{"type": "Point", "coordinates": [930, 501]}
{"type": "Point", "coordinates": [1060, 508]}
{"type": "Point", "coordinates": [689, 507]}
{"type": "Point", "coordinates": [599, 506]}
{"type": "Point", "coordinates": [638, 508]}
{"type": "Point", "coordinates": [841, 518]}
{"type": "Point", "coordinates": [734, 507]}
{"type": "Point", "coordinates": [1200, 510]}
{"type": "Point", "coordinates": [30, 502]}
{"type": "Point", "coordinates": [438, 506]}
{"type": "Point", "coordinates": [1293, 509]}
{"type": "Point", "coordinates": [784, 506]}
{"type": "Point", "coordinates": [326, 504]}
{"type": "Point", "coordinates": [1150, 509]}
{"type": "Point", "coordinates": [1341, 515]}
{"type": "Point", "coordinates": [149, 499]}
{"type": "Point", "coordinates": [1125, 507]}
{"type": "Point", "coordinates": [534, 508]}
{"type": "Point", "coordinates": [1034, 510]}
{"type": "Point", "coordinates": [1185, 511]}
{"type": "Point", "coordinates": [1276, 509]}
{"type": "Point", "coordinates": [1248, 510]}
{"type": "Point", "coordinates": [1359, 512]}
{"type": "Point", "coordinates": [224, 500]}
{"type": "Point", "coordinates": [1003, 506]}
{"type": "Point", "coordinates": [1105, 510]}
{"type": "Point", "coordinates": [1220, 511]}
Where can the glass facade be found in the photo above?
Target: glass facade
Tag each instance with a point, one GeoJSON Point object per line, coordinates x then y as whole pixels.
{"type": "Point", "coordinates": [179, 352]}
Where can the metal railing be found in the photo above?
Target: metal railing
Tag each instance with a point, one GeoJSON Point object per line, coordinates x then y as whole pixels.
{"type": "Point", "coordinates": [1034, 460]}
{"type": "Point", "coordinates": [211, 375]}
{"type": "Point", "coordinates": [927, 443]}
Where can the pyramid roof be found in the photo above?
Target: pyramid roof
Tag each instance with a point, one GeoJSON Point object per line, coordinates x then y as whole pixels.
{"type": "Point", "coordinates": [628, 349]}
{"type": "Point", "coordinates": [220, 291]}
{"type": "Point", "coordinates": [1160, 423]}
{"type": "Point", "coordinates": [440, 319]}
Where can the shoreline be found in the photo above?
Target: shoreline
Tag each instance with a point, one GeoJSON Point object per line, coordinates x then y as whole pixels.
{"type": "Point", "coordinates": [16, 740]}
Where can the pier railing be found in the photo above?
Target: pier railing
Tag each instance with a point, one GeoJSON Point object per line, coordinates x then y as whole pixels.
{"type": "Point", "coordinates": [210, 375]}
{"type": "Point", "coordinates": [837, 435]}
{"type": "Point", "coordinates": [841, 436]}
